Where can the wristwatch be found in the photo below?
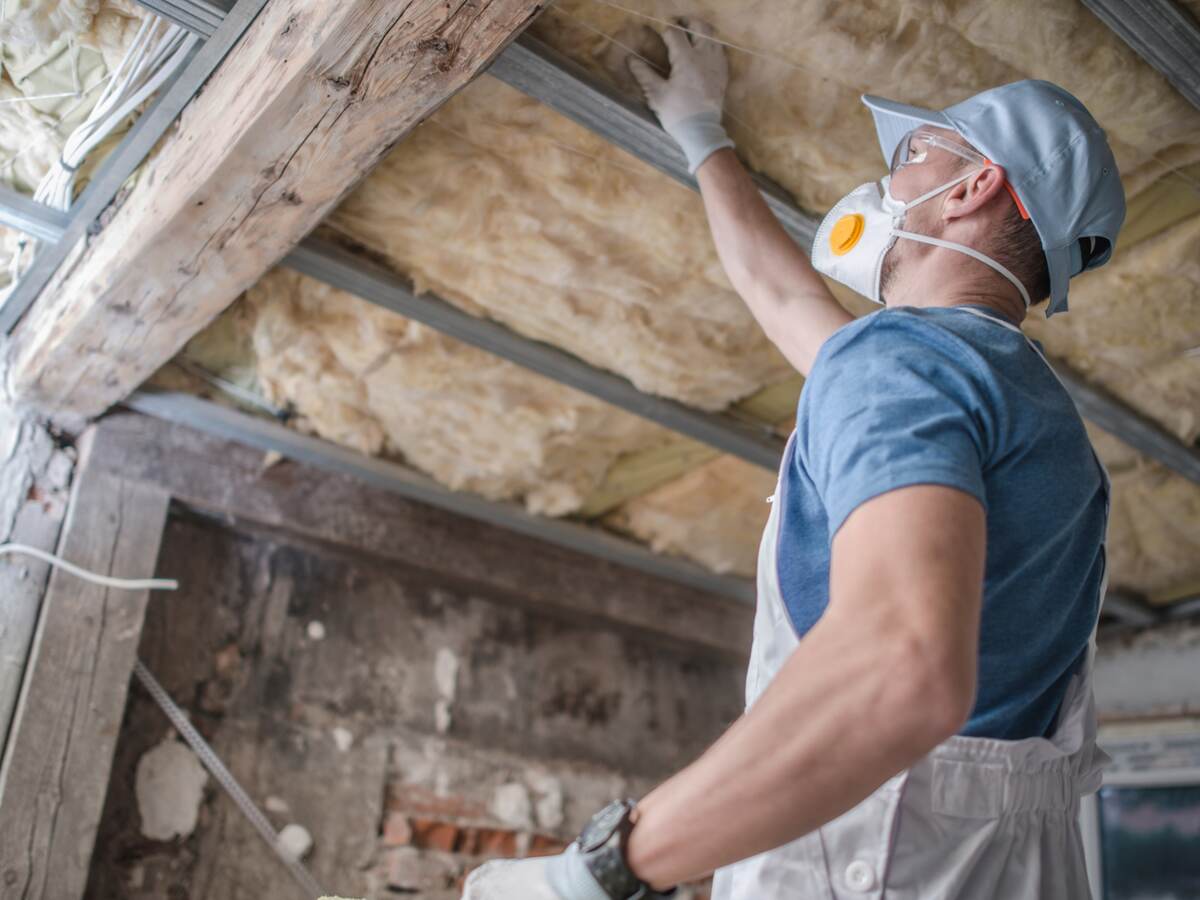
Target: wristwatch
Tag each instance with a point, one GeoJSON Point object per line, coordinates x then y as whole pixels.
{"type": "Point", "coordinates": [602, 846]}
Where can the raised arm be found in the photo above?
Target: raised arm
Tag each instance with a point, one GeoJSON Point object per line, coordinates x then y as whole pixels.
{"type": "Point", "coordinates": [766, 267]}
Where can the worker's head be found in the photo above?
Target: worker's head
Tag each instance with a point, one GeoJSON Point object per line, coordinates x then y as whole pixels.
{"type": "Point", "coordinates": [1020, 178]}
{"type": "Point", "coordinates": [978, 208]}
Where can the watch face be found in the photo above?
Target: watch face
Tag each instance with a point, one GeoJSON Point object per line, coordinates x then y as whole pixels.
{"type": "Point", "coordinates": [601, 827]}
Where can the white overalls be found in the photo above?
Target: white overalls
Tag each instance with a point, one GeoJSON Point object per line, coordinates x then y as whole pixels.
{"type": "Point", "coordinates": [975, 819]}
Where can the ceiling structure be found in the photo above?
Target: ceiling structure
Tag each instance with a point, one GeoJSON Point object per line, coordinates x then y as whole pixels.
{"type": "Point", "coordinates": [513, 213]}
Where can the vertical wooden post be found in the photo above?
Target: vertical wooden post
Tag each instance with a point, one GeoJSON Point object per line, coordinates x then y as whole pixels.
{"type": "Point", "coordinates": [56, 764]}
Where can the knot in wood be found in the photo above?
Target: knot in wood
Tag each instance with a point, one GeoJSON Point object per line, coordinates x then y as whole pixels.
{"type": "Point", "coordinates": [436, 44]}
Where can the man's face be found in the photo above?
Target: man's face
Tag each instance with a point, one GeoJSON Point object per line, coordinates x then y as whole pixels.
{"type": "Point", "coordinates": [929, 167]}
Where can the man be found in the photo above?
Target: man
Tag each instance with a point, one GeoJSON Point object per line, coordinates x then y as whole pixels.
{"type": "Point", "coordinates": [919, 720]}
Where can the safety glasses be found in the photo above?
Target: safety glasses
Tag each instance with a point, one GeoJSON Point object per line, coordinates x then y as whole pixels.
{"type": "Point", "coordinates": [915, 147]}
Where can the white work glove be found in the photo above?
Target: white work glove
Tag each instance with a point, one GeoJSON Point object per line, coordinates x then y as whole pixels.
{"type": "Point", "coordinates": [561, 877]}
{"type": "Point", "coordinates": [688, 101]}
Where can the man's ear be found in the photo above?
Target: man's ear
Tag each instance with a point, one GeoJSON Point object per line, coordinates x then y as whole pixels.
{"type": "Point", "coordinates": [968, 196]}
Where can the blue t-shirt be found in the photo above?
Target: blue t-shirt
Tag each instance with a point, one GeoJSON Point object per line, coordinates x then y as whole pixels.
{"type": "Point", "coordinates": [942, 396]}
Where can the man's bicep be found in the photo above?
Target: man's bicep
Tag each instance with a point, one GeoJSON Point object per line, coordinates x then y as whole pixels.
{"type": "Point", "coordinates": [910, 563]}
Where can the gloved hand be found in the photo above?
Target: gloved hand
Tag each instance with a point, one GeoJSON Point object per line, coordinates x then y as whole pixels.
{"type": "Point", "coordinates": [688, 101]}
{"type": "Point", "coordinates": [561, 877]}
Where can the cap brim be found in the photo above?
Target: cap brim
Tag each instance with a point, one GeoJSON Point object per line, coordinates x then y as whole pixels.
{"type": "Point", "coordinates": [894, 120]}
{"type": "Point", "coordinates": [1058, 261]}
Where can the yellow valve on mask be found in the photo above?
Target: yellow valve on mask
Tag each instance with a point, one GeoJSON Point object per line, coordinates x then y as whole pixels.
{"type": "Point", "coordinates": [845, 234]}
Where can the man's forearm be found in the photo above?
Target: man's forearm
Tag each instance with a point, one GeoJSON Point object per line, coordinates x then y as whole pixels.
{"type": "Point", "coordinates": [836, 723]}
{"type": "Point", "coordinates": [766, 267]}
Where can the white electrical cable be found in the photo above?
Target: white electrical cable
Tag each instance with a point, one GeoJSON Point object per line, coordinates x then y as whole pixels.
{"type": "Point", "coordinates": [158, 49]}
{"type": "Point", "coordinates": [179, 719]}
{"type": "Point", "coordinates": [131, 584]}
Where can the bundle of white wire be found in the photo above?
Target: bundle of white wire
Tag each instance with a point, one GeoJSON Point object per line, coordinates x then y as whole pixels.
{"type": "Point", "coordinates": [157, 51]}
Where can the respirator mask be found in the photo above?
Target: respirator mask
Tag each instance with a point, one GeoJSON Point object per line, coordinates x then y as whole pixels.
{"type": "Point", "coordinates": [857, 233]}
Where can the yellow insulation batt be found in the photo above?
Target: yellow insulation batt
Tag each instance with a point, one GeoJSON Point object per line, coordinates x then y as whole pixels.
{"type": "Point", "coordinates": [382, 384]}
{"type": "Point", "coordinates": [713, 515]}
{"type": "Point", "coordinates": [511, 211]}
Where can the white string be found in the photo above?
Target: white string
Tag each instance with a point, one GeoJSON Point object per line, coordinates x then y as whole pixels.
{"type": "Point", "coordinates": [653, 66]}
{"type": "Point", "coordinates": [37, 97]}
{"type": "Point", "coordinates": [752, 51]}
{"type": "Point", "coordinates": [131, 584]}
{"type": "Point", "coordinates": [641, 172]}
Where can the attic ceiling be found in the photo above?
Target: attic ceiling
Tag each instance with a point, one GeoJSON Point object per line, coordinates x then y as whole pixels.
{"type": "Point", "coordinates": [512, 212]}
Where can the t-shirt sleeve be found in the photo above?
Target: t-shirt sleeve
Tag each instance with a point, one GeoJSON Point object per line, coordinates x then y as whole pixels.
{"type": "Point", "coordinates": [891, 403]}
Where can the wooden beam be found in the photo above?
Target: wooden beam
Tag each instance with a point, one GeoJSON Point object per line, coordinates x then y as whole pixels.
{"type": "Point", "coordinates": [56, 764]}
{"type": "Point", "coordinates": [35, 477]}
{"type": "Point", "coordinates": [354, 502]}
{"type": "Point", "coordinates": [302, 108]}
{"type": "Point", "coordinates": [271, 436]}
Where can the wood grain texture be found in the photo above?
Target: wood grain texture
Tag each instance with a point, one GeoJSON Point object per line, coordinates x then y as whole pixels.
{"type": "Point", "coordinates": [55, 771]}
{"type": "Point", "coordinates": [231, 480]}
{"type": "Point", "coordinates": [35, 477]}
{"type": "Point", "coordinates": [309, 101]}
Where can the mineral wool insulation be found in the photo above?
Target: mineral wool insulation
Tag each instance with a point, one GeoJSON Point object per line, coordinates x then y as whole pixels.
{"type": "Point", "coordinates": [513, 213]}
{"type": "Point", "coordinates": [51, 48]}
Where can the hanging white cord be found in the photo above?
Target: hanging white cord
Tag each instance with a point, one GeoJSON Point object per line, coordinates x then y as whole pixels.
{"type": "Point", "coordinates": [130, 584]}
{"type": "Point", "coordinates": [179, 719]}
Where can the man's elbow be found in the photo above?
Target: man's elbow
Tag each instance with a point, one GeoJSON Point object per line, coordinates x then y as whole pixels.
{"type": "Point", "coordinates": [937, 695]}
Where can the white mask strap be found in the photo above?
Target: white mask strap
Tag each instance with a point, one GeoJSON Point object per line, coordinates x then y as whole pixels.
{"type": "Point", "coordinates": [937, 190]}
{"type": "Point", "coordinates": [963, 248]}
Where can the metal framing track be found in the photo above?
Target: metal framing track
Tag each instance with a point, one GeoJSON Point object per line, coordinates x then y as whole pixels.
{"type": "Point", "coordinates": [1160, 32]}
{"type": "Point", "coordinates": [125, 159]}
{"type": "Point", "coordinates": [348, 272]}
{"type": "Point", "coordinates": [268, 435]}
{"type": "Point", "coordinates": [566, 87]}
{"type": "Point", "coordinates": [26, 215]}
{"type": "Point", "coordinates": [198, 16]}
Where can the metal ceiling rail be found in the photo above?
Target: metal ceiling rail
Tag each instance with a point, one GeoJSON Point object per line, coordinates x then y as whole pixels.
{"type": "Point", "coordinates": [30, 217]}
{"type": "Point", "coordinates": [566, 87]}
{"type": "Point", "coordinates": [268, 435]}
{"type": "Point", "coordinates": [1162, 33]}
{"type": "Point", "coordinates": [197, 16]}
{"type": "Point", "coordinates": [1134, 429]}
{"type": "Point", "coordinates": [349, 272]}
{"type": "Point", "coordinates": [124, 160]}
{"type": "Point", "coordinates": [1130, 609]}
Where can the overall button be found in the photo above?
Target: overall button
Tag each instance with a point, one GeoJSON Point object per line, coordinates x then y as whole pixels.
{"type": "Point", "coordinates": [860, 876]}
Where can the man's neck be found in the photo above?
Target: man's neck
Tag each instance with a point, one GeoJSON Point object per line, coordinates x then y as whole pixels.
{"type": "Point", "coordinates": [963, 288]}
